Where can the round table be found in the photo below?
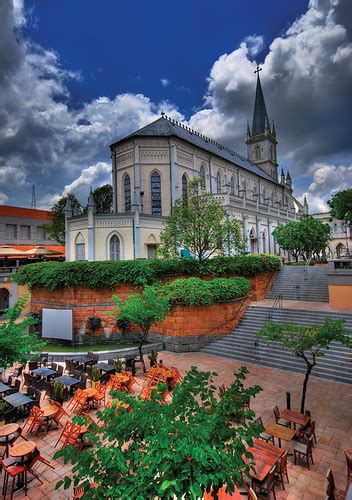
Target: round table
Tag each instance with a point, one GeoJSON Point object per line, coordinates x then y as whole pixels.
{"type": "Point", "coordinates": [22, 449]}
{"type": "Point", "coordinates": [5, 432]}
{"type": "Point", "coordinates": [50, 411]}
{"type": "Point", "coordinates": [90, 392]}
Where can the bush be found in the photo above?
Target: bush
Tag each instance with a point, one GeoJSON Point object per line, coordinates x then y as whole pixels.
{"type": "Point", "coordinates": [108, 274]}
{"type": "Point", "coordinates": [197, 292]}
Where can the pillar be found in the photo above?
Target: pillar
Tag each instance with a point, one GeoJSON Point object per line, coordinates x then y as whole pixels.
{"type": "Point", "coordinates": [245, 232]}
{"type": "Point", "coordinates": [173, 174]}
{"type": "Point", "coordinates": [259, 235]}
{"type": "Point", "coordinates": [136, 235]}
{"type": "Point", "coordinates": [271, 237]}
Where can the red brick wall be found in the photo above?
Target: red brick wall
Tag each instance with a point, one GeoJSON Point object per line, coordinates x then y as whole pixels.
{"type": "Point", "coordinates": [182, 320]}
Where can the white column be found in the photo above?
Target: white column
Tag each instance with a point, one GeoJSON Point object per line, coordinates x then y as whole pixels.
{"type": "Point", "coordinates": [173, 173]}
{"type": "Point", "coordinates": [91, 234]}
{"type": "Point", "coordinates": [137, 180]}
{"type": "Point", "coordinates": [246, 232]}
{"type": "Point", "coordinates": [259, 235]}
{"type": "Point", "coordinates": [271, 237]}
{"type": "Point", "coordinates": [136, 235]}
{"type": "Point", "coordinates": [114, 183]}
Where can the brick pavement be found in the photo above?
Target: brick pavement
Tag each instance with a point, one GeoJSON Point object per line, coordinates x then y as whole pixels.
{"type": "Point", "coordinates": [329, 402]}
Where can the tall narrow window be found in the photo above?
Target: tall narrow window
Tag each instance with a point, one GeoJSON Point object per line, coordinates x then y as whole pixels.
{"type": "Point", "coordinates": [202, 176]}
{"type": "Point", "coordinates": [184, 188]}
{"type": "Point", "coordinates": [218, 183]}
{"type": "Point", "coordinates": [257, 152]}
{"type": "Point", "coordinates": [114, 248]}
{"type": "Point", "coordinates": [156, 193]}
{"type": "Point", "coordinates": [127, 192]}
{"type": "Point", "coordinates": [80, 247]}
{"type": "Point", "coordinates": [232, 185]}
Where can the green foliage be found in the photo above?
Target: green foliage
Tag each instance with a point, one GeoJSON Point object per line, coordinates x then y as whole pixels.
{"type": "Point", "coordinates": [56, 227]}
{"type": "Point", "coordinates": [307, 237]}
{"type": "Point", "coordinates": [307, 342]}
{"type": "Point", "coordinates": [169, 451]}
{"type": "Point", "coordinates": [3, 407]}
{"type": "Point", "coordinates": [95, 373]}
{"type": "Point", "coordinates": [196, 292]}
{"type": "Point", "coordinates": [341, 206]}
{"type": "Point", "coordinates": [57, 391]}
{"type": "Point", "coordinates": [103, 199]}
{"type": "Point", "coordinates": [200, 223]}
{"type": "Point", "coordinates": [16, 341]}
{"type": "Point", "coordinates": [108, 274]}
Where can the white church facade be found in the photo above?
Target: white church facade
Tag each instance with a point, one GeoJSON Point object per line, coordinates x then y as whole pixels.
{"type": "Point", "coordinates": [151, 169]}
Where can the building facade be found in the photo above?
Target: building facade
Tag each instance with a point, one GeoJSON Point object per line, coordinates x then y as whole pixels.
{"type": "Point", "coordinates": [151, 169]}
{"type": "Point", "coordinates": [341, 235]}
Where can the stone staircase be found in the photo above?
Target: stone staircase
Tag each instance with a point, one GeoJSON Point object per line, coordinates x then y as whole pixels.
{"type": "Point", "coordinates": [243, 344]}
{"type": "Point", "coordinates": [307, 283]}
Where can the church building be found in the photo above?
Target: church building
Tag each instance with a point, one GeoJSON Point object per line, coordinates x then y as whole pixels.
{"type": "Point", "coordinates": [151, 169]}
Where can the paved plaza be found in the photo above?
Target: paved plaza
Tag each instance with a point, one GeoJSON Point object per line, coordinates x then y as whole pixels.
{"type": "Point", "coordinates": [329, 402]}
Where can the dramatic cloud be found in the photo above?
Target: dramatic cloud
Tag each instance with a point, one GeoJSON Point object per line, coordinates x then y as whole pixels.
{"type": "Point", "coordinates": [306, 79]}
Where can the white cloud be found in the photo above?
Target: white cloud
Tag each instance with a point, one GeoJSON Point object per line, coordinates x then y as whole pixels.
{"type": "Point", "coordinates": [164, 82]}
{"type": "Point", "coordinates": [95, 175]}
{"type": "Point", "coordinates": [255, 44]}
{"type": "Point", "coordinates": [3, 198]}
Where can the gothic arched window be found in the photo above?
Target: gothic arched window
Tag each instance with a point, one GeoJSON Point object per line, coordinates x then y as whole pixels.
{"type": "Point", "coordinates": [202, 176]}
{"type": "Point", "coordinates": [218, 183]}
{"type": "Point", "coordinates": [155, 193]}
{"type": "Point", "coordinates": [80, 247]}
{"type": "Point", "coordinates": [257, 152]}
{"type": "Point", "coordinates": [127, 192]}
{"type": "Point", "coordinates": [184, 186]}
{"type": "Point", "coordinates": [232, 185]}
{"type": "Point", "coordinates": [114, 247]}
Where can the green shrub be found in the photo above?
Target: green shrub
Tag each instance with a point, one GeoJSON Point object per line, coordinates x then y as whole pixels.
{"type": "Point", "coordinates": [108, 274]}
{"type": "Point", "coordinates": [197, 292]}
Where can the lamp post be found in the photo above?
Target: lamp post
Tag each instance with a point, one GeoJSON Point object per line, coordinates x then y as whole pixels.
{"type": "Point", "coordinates": [345, 230]}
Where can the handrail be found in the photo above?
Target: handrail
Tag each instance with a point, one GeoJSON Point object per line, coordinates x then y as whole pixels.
{"type": "Point", "coordinates": [278, 304]}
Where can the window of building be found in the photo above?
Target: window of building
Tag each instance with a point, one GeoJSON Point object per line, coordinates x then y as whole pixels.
{"type": "Point", "coordinates": [114, 248]}
{"type": "Point", "coordinates": [80, 247]}
{"type": "Point", "coordinates": [257, 152]}
{"type": "Point", "coordinates": [156, 193]}
{"type": "Point", "coordinates": [40, 233]}
{"type": "Point", "coordinates": [11, 231]}
{"type": "Point", "coordinates": [127, 192]}
{"type": "Point", "coordinates": [25, 232]}
{"type": "Point", "coordinates": [232, 185]}
{"type": "Point", "coordinates": [218, 183]}
{"type": "Point", "coordinates": [184, 186]}
{"type": "Point", "coordinates": [151, 251]}
{"type": "Point", "coordinates": [202, 176]}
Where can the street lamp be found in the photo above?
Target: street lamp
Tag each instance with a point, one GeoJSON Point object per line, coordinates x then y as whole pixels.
{"type": "Point", "coordinates": [345, 230]}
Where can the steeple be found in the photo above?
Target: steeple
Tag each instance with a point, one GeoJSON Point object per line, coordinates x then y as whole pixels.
{"type": "Point", "coordinates": [282, 177]}
{"type": "Point", "coordinates": [260, 115]}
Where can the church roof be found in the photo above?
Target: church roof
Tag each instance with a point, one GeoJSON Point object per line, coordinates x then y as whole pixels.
{"type": "Point", "coordinates": [166, 127]}
{"type": "Point", "coordinates": [260, 115]}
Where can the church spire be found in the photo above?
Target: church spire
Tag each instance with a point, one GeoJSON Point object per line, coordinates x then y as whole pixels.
{"type": "Point", "coordinates": [260, 115]}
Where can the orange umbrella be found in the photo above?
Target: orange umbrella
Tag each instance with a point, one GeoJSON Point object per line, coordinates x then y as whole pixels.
{"type": "Point", "coordinates": [41, 252]}
{"type": "Point", "coordinates": [7, 251]}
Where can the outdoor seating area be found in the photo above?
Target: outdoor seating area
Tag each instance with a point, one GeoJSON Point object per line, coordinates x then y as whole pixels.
{"type": "Point", "coordinates": [292, 456]}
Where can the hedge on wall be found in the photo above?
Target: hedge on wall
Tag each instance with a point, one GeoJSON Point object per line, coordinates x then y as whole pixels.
{"type": "Point", "coordinates": [197, 292]}
{"type": "Point", "coordinates": [107, 274]}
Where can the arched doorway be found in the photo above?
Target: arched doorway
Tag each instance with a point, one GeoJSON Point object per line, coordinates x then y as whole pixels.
{"type": "Point", "coordinates": [4, 299]}
{"type": "Point", "coordinates": [253, 241]}
{"type": "Point", "coordinates": [340, 250]}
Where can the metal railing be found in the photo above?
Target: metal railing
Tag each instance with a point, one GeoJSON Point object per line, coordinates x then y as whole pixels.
{"type": "Point", "coordinates": [278, 304]}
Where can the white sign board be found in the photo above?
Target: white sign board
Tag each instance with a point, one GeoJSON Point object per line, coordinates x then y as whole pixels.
{"type": "Point", "coordinates": [57, 324]}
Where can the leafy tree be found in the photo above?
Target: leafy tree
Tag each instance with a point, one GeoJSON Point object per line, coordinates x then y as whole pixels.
{"type": "Point", "coordinates": [307, 342]}
{"type": "Point", "coordinates": [341, 206]}
{"type": "Point", "coordinates": [306, 237]}
{"type": "Point", "coordinates": [199, 222]}
{"type": "Point", "coordinates": [175, 450]}
{"type": "Point", "coordinates": [16, 341]}
{"type": "Point", "coordinates": [143, 310]}
{"type": "Point", "coordinates": [56, 227]}
{"type": "Point", "coordinates": [103, 199]}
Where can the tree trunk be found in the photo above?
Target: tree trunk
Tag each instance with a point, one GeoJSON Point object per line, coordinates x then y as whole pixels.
{"type": "Point", "coordinates": [305, 383]}
{"type": "Point", "coordinates": [141, 357]}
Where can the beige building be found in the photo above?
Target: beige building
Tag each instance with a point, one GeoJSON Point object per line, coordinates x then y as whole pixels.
{"type": "Point", "coordinates": [151, 169]}
{"type": "Point", "coordinates": [341, 235]}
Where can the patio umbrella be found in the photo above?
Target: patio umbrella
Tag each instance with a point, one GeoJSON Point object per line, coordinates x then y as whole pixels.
{"type": "Point", "coordinates": [7, 251]}
{"type": "Point", "coordinates": [41, 252]}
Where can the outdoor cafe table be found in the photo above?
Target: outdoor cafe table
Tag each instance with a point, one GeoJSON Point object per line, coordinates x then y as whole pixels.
{"type": "Point", "coordinates": [4, 388]}
{"type": "Point", "coordinates": [17, 399]}
{"type": "Point", "coordinates": [295, 417]}
{"type": "Point", "coordinates": [105, 367]}
{"type": "Point", "coordinates": [265, 457]}
{"type": "Point", "coordinates": [82, 358]}
{"type": "Point", "coordinates": [68, 381]}
{"type": "Point", "coordinates": [280, 431]}
{"type": "Point", "coordinates": [5, 432]}
{"type": "Point", "coordinates": [44, 372]}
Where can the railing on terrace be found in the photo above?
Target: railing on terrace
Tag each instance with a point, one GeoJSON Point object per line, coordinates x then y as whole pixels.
{"type": "Point", "coordinates": [8, 270]}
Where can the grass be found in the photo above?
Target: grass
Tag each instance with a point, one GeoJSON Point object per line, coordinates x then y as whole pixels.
{"type": "Point", "coordinates": [54, 347]}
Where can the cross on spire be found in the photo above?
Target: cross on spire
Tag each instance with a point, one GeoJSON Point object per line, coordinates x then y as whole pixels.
{"type": "Point", "coordinates": [257, 70]}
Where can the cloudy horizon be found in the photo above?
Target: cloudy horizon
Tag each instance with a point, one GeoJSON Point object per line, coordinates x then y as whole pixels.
{"type": "Point", "coordinates": [61, 146]}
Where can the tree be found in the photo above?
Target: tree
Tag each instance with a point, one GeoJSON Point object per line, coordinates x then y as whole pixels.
{"type": "Point", "coordinates": [307, 342]}
{"type": "Point", "coordinates": [56, 227]}
{"type": "Point", "coordinates": [341, 206]}
{"type": "Point", "coordinates": [143, 310]}
{"type": "Point", "coordinates": [175, 450]}
{"type": "Point", "coordinates": [103, 199]}
{"type": "Point", "coordinates": [200, 223]}
{"type": "Point", "coordinates": [16, 341]}
{"type": "Point", "coordinates": [306, 237]}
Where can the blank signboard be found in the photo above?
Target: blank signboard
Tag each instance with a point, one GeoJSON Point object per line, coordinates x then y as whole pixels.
{"type": "Point", "coordinates": [57, 324]}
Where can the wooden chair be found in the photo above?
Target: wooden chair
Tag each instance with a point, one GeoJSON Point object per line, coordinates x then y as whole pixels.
{"type": "Point", "coordinates": [308, 431]}
{"type": "Point", "coordinates": [36, 457]}
{"type": "Point", "coordinates": [60, 412]}
{"type": "Point", "coordinates": [146, 393]}
{"type": "Point", "coordinates": [281, 470]}
{"type": "Point", "coordinates": [130, 383]}
{"type": "Point", "coordinates": [303, 451]}
{"type": "Point", "coordinates": [264, 436]}
{"type": "Point", "coordinates": [266, 486]}
{"type": "Point", "coordinates": [80, 403]}
{"type": "Point", "coordinates": [176, 375]}
{"type": "Point", "coordinates": [348, 455]}
{"type": "Point", "coordinates": [10, 440]}
{"type": "Point", "coordinates": [32, 365]}
{"type": "Point", "coordinates": [278, 420]}
{"type": "Point", "coordinates": [83, 382]}
{"type": "Point", "coordinates": [251, 495]}
{"type": "Point", "coordinates": [74, 398]}
{"type": "Point", "coordinates": [100, 397]}
{"type": "Point", "coordinates": [34, 414]}
{"type": "Point", "coordinates": [331, 492]}
{"type": "Point", "coordinates": [13, 470]}
{"type": "Point", "coordinates": [70, 435]}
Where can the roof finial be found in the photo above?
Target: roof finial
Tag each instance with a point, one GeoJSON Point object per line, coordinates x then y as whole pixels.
{"type": "Point", "coordinates": [162, 114]}
{"type": "Point", "coordinates": [257, 70]}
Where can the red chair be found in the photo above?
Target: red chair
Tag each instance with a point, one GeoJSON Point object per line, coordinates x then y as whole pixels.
{"type": "Point", "coordinates": [60, 412]}
{"type": "Point", "coordinates": [70, 435]}
{"type": "Point", "coordinates": [12, 470]}
{"type": "Point", "coordinates": [36, 457]}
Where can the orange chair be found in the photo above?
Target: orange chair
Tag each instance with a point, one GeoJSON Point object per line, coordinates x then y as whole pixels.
{"type": "Point", "coordinates": [12, 470]}
{"type": "Point", "coordinates": [146, 393]}
{"type": "Point", "coordinates": [36, 457]}
{"type": "Point", "coordinates": [36, 421]}
{"type": "Point", "coordinates": [176, 375]}
{"type": "Point", "coordinates": [100, 396]}
{"type": "Point", "coordinates": [74, 399]}
{"type": "Point", "coordinates": [60, 412]}
{"type": "Point", "coordinates": [81, 403]}
{"type": "Point", "coordinates": [130, 383]}
{"type": "Point", "coordinates": [70, 435]}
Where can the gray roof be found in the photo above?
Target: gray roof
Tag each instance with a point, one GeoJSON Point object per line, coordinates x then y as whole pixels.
{"type": "Point", "coordinates": [165, 127]}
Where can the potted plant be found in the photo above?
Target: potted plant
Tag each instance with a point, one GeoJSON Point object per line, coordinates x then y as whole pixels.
{"type": "Point", "coordinates": [95, 375]}
{"type": "Point", "coordinates": [94, 323]}
{"type": "Point", "coordinates": [122, 324]}
{"type": "Point", "coordinates": [58, 392]}
{"type": "Point", "coordinates": [153, 358]}
{"type": "Point", "coordinates": [2, 413]}
{"type": "Point", "coordinates": [118, 365]}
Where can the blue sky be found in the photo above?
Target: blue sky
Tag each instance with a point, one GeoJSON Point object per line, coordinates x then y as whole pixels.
{"type": "Point", "coordinates": [77, 75]}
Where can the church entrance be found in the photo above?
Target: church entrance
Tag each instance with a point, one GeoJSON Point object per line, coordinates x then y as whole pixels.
{"type": "Point", "coordinates": [253, 241]}
{"type": "Point", "coordinates": [4, 299]}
